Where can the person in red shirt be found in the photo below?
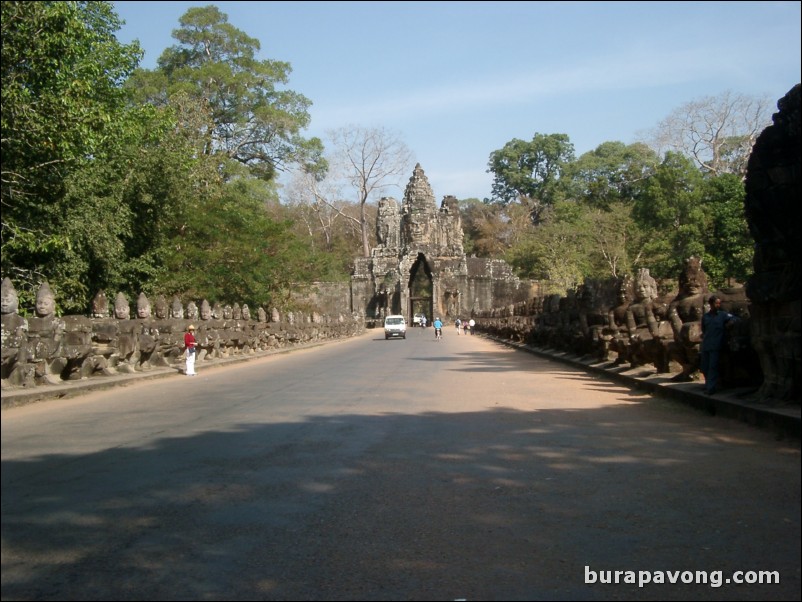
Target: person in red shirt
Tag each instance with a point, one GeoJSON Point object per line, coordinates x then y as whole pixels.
{"type": "Point", "coordinates": [189, 343]}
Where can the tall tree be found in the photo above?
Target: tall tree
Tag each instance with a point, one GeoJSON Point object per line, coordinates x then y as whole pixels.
{"type": "Point", "coordinates": [529, 172]}
{"type": "Point", "coordinates": [256, 123]}
{"type": "Point", "coordinates": [62, 109]}
{"type": "Point", "coordinates": [670, 210]}
{"type": "Point", "coordinates": [717, 132]}
{"type": "Point", "coordinates": [370, 160]}
{"type": "Point", "coordinates": [729, 246]}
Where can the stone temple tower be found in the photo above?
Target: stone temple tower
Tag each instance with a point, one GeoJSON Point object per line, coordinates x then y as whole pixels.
{"type": "Point", "coordinates": [419, 265]}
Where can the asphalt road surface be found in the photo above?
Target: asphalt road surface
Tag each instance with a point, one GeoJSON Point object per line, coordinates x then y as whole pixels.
{"type": "Point", "coordinates": [393, 470]}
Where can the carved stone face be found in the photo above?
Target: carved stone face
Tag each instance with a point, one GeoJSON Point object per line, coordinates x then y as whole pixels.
{"type": "Point", "coordinates": [192, 311]}
{"type": "Point", "coordinates": [10, 302]}
{"type": "Point", "coordinates": [645, 287]}
{"type": "Point", "coordinates": [121, 309]}
{"type": "Point", "coordinates": [142, 307]}
{"type": "Point", "coordinates": [160, 308]}
{"type": "Point", "coordinates": [246, 312]}
{"type": "Point", "coordinates": [205, 310]}
{"type": "Point", "coordinates": [176, 311]}
{"type": "Point", "coordinates": [228, 312]}
{"type": "Point", "coordinates": [692, 280]}
{"type": "Point", "coordinates": [45, 302]}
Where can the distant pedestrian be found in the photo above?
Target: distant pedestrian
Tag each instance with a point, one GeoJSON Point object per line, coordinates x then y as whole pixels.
{"type": "Point", "coordinates": [465, 327]}
{"type": "Point", "coordinates": [189, 343]}
{"type": "Point", "coordinates": [714, 335]}
{"type": "Point", "coordinates": [458, 324]}
{"type": "Point", "coordinates": [472, 324]}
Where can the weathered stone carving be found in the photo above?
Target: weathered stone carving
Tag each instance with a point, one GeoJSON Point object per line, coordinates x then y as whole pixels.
{"type": "Point", "coordinates": [419, 265]}
{"type": "Point", "coordinates": [100, 305]}
{"type": "Point", "coordinates": [192, 312]}
{"type": "Point", "coordinates": [685, 315]}
{"type": "Point", "coordinates": [176, 309]}
{"type": "Point", "coordinates": [160, 309]}
{"type": "Point", "coordinates": [773, 214]}
{"type": "Point", "coordinates": [14, 338]}
{"type": "Point", "coordinates": [143, 309]}
{"type": "Point", "coordinates": [122, 311]}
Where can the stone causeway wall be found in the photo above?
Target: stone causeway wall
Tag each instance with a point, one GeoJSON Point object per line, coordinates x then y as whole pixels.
{"type": "Point", "coordinates": [47, 349]}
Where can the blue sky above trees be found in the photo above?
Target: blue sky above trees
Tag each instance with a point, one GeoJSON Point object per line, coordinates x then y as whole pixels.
{"type": "Point", "coordinates": [459, 80]}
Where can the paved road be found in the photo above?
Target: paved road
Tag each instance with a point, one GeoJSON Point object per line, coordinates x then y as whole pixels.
{"type": "Point", "coordinates": [391, 470]}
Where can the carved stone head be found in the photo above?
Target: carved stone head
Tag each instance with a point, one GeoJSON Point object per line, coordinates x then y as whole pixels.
{"type": "Point", "coordinates": [45, 301]}
{"type": "Point", "coordinates": [262, 314]}
{"type": "Point", "coordinates": [205, 310]}
{"type": "Point", "coordinates": [142, 306]}
{"type": "Point", "coordinates": [176, 309]}
{"type": "Point", "coordinates": [10, 301]}
{"type": "Point", "coordinates": [217, 311]}
{"type": "Point", "coordinates": [100, 305]}
{"type": "Point", "coordinates": [192, 311]}
{"type": "Point", "coordinates": [645, 286]}
{"type": "Point", "coordinates": [237, 312]}
{"type": "Point", "coordinates": [246, 312]}
{"type": "Point", "coordinates": [692, 279]}
{"type": "Point", "coordinates": [122, 311]}
{"type": "Point", "coordinates": [160, 309]}
{"type": "Point", "coordinates": [274, 315]}
{"type": "Point", "coordinates": [228, 312]}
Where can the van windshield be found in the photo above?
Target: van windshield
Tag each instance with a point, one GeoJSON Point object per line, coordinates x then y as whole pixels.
{"type": "Point", "coordinates": [394, 321]}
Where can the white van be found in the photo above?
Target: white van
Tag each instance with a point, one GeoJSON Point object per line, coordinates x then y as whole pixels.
{"type": "Point", "coordinates": [395, 326]}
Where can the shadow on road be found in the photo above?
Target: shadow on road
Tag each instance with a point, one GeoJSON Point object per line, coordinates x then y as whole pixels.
{"type": "Point", "coordinates": [496, 505]}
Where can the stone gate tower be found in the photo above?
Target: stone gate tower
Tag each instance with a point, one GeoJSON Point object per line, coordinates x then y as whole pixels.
{"type": "Point", "coordinates": [419, 265]}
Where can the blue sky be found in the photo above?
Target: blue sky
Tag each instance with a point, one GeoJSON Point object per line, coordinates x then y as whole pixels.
{"type": "Point", "coordinates": [458, 80]}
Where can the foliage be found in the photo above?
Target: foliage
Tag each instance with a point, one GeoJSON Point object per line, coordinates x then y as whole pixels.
{"type": "Point", "coordinates": [555, 251]}
{"type": "Point", "coordinates": [529, 172]}
{"type": "Point", "coordinates": [612, 172]}
{"type": "Point", "coordinates": [669, 210]}
{"type": "Point", "coordinates": [729, 246]}
{"type": "Point", "coordinates": [62, 109]}
{"type": "Point", "coordinates": [254, 122]}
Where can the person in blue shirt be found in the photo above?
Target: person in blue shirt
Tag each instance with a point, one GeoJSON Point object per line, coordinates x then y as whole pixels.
{"type": "Point", "coordinates": [438, 328]}
{"type": "Point", "coordinates": [714, 335]}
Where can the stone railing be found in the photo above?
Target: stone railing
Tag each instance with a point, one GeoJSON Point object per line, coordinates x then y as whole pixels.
{"type": "Point", "coordinates": [49, 350]}
{"type": "Point", "coordinates": [643, 329]}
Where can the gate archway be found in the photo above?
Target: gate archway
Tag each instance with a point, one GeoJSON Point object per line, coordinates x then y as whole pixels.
{"type": "Point", "coordinates": [420, 286]}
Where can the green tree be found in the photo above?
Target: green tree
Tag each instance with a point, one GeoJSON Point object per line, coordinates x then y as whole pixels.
{"type": "Point", "coordinates": [255, 123]}
{"type": "Point", "coordinates": [63, 108]}
{"type": "Point", "coordinates": [231, 250]}
{"type": "Point", "coordinates": [671, 213]}
{"type": "Point", "coordinates": [125, 210]}
{"type": "Point", "coordinates": [529, 172]}
{"type": "Point", "coordinates": [729, 246]}
{"type": "Point", "coordinates": [610, 173]}
{"type": "Point", "coordinates": [557, 251]}
{"type": "Point", "coordinates": [615, 239]}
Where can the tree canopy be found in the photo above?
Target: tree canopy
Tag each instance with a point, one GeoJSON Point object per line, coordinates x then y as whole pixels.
{"type": "Point", "coordinates": [255, 122]}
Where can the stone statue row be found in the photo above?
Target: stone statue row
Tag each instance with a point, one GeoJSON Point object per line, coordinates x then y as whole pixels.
{"type": "Point", "coordinates": [627, 322]}
{"type": "Point", "coordinates": [47, 349]}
